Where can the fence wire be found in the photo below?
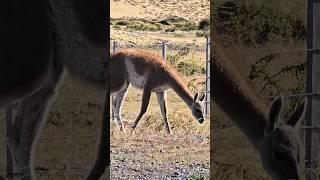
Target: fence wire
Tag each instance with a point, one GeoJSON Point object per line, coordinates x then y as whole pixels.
{"type": "Point", "coordinates": [67, 141]}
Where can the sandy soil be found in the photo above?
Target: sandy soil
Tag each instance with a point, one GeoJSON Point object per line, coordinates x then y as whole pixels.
{"type": "Point", "coordinates": [154, 9]}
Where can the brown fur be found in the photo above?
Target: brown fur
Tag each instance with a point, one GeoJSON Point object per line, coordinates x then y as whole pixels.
{"type": "Point", "coordinates": [234, 96]}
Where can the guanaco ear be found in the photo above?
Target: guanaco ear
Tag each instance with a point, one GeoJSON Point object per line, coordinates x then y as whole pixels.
{"type": "Point", "coordinates": [274, 119]}
{"type": "Point", "coordinates": [195, 97]}
{"type": "Point", "coordinates": [299, 115]}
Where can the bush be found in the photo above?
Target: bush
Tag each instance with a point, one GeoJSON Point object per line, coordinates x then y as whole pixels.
{"type": "Point", "coordinates": [253, 23]}
{"type": "Point", "coordinates": [187, 67]}
{"type": "Point", "coordinates": [204, 24]}
{"type": "Point", "coordinates": [190, 68]}
{"type": "Point", "coordinates": [202, 33]}
{"type": "Point", "coordinates": [188, 26]}
{"type": "Point", "coordinates": [143, 26]}
{"type": "Point", "coordinates": [122, 23]}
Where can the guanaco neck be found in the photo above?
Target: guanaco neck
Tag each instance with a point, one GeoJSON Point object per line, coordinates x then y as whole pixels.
{"type": "Point", "coordinates": [233, 95]}
{"type": "Point", "coordinates": [180, 88]}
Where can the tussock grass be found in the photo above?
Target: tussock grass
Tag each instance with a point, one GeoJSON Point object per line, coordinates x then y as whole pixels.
{"type": "Point", "coordinates": [170, 24]}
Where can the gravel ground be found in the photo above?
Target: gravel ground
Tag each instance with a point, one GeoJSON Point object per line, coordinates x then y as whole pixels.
{"type": "Point", "coordinates": [160, 157]}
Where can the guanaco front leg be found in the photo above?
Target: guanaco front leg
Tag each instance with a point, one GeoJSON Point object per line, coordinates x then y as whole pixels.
{"type": "Point", "coordinates": [163, 108]}
{"type": "Point", "coordinates": [144, 105]}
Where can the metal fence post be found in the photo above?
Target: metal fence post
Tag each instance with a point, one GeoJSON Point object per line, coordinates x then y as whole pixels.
{"type": "Point", "coordinates": [114, 46]}
{"type": "Point", "coordinates": [207, 93]}
{"type": "Point", "coordinates": [164, 51]}
{"type": "Point", "coordinates": [313, 85]}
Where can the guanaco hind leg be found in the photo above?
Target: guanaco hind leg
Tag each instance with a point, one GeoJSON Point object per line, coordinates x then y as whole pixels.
{"type": "Point", "coordinates": [116, 105]}
{"type": "Point", "coordinates": [163, 108]}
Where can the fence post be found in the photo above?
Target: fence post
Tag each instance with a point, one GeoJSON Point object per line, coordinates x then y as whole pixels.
{"type": "Point", "coordinates": [114, 46]}
{"type": "Point", "coordinates": [313, 85]}
{"type": "Point", "coordinates": [164, 51]}
{"type": "Point", "coordinates": [207, 93]}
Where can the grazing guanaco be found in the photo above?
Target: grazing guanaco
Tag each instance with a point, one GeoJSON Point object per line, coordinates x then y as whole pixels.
{"type": "Point", "coordinates": [149, 72]}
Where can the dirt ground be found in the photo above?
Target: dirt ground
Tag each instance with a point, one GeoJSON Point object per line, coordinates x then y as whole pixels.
{"type": "Point", "coordinates": [160, 157]}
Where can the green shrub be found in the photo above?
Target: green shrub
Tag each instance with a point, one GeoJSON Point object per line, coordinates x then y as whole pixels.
{"type": "Point", "coordinates": [173, 59]}
{"type": "Point", "coordinates": [196, 177]}
{"type": "Point", "coordinates": [170, 24]}
{"type": "Point", "coordinates": [202, 33]}
{"type": "Point", "coordinates": [190, 68]}
{"type": "Point", "coordinates": [188, 26]}
{"type": "Point", "coordinates": [254, 23]}
{"type": "Point", "coordinates": [204, 24]}
{"type": "Point", "coordinates": [143, 26]}
{"type": "Point", "coordinates": [187, 67]}
{"type": "Point", "coordinates": [122, 23]}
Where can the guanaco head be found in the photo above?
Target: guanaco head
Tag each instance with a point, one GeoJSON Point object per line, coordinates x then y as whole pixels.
{"type": "Point", "coordinates": [281, 150]}
{"type": "Point", "coordinates": [198, 107]}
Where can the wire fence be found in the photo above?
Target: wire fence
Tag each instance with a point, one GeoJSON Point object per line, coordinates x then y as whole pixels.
{"type": "Point", "coordinates": [66, 146]}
